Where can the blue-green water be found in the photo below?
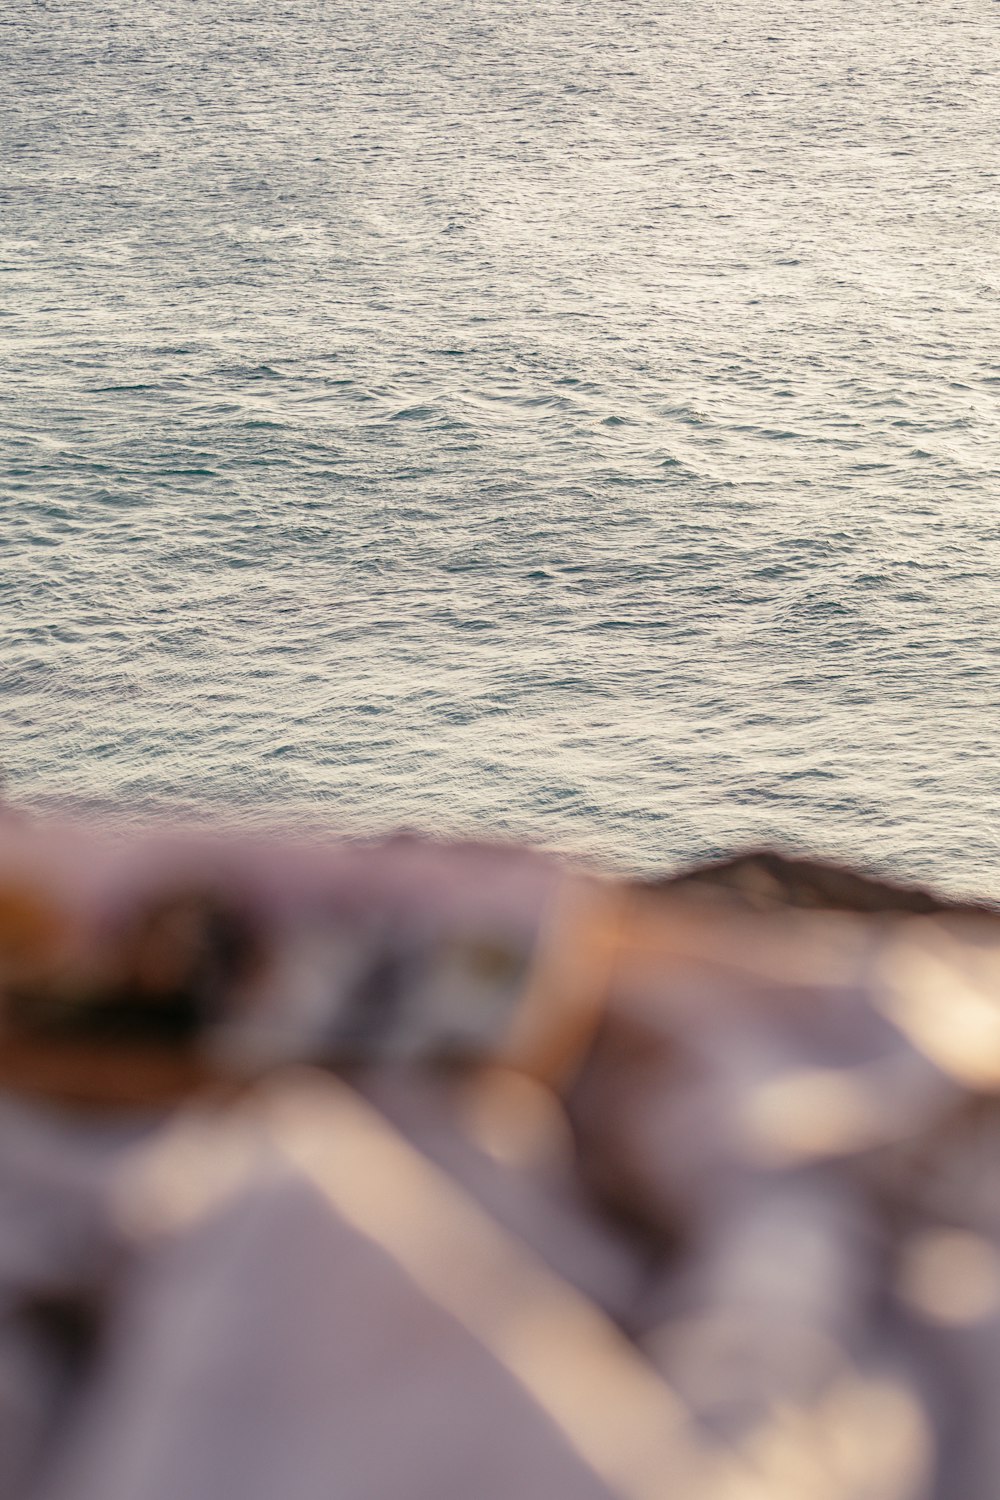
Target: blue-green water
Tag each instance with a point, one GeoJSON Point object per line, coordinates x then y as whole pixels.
{"type": "Point", "coordinates": [573, 420]}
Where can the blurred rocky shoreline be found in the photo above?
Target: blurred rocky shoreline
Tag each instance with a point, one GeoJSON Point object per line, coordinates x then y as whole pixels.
{"type": "Point", "coordinates": [763, 878]}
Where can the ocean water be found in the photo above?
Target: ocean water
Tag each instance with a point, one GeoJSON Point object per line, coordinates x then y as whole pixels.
{"type": "Point", "coordinates": [569, 419]}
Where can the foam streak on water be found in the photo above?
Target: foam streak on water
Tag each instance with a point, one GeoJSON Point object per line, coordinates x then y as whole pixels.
{"type": "Point", "coordinates": [580, 420]}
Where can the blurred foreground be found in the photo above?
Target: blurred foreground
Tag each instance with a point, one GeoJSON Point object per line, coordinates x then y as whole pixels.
{"type": "Point", "coordinates": [425, 1172]}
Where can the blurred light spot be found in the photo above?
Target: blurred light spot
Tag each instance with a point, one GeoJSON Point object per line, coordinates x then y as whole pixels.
{"type": "Point", "coordinates": [950, 1276]}
{"type": "Point", "coordinates": [864, 1437]}
{"type": "Point", "coordinates": [877, 1438]}
{"type": "Point", "coordinates": [945, 996]}
{"type": "Point", "coordinates": [515, 1120]}
{"type": "Point", "coordinates": [811, 1112]}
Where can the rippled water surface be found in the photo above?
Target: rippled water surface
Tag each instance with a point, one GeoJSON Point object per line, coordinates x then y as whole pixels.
{"type": "Point", "coordinates": [572, 418]}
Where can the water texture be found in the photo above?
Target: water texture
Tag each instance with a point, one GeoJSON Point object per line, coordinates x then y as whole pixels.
{"type": "Point", "coordinates": [576, 419]}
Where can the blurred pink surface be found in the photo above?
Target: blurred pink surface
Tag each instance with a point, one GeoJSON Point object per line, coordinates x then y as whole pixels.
{"type": "Point", "coordinates": [506, 1180]}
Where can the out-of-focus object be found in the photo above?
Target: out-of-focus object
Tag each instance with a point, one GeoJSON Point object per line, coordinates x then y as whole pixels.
{"type": "Point", "coordinates": [411, 1169]}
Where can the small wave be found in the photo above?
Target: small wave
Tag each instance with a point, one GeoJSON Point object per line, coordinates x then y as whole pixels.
{"type": "Point", "coordinates": [414, 414]}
